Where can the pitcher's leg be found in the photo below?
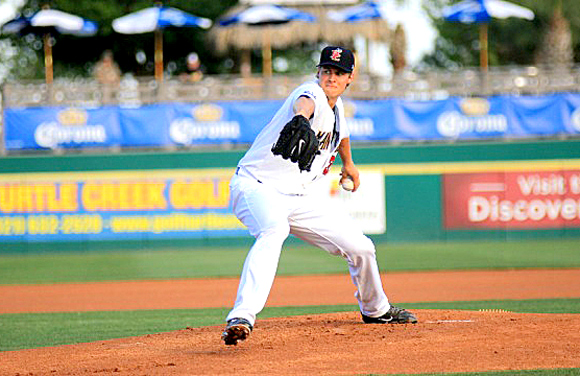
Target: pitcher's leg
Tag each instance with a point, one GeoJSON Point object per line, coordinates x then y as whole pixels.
{"type": "Point", "coordinates": [336, 233]}
{"type": "Point", "coordinates": [258, 275]}
{"type": "Point", "coordinates": [263, 212]}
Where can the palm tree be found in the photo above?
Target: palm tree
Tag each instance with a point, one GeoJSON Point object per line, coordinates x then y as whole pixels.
{"type": "Point", "coordinates": [556, 47]}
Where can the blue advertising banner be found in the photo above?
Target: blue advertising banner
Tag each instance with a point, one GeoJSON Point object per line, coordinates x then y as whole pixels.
{"type": "Point", "coordinates": [222, 122]}
{"type": "Point", "coordinates": [53, 127]}
{"type": "Point", "coordinates": [571, 113]}
{"type": "Point", "coordinates": [180, 124]}
{"type": "Point", "coordinates": [145, 126]}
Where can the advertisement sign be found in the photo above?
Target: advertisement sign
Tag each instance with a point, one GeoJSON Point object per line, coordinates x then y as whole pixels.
{"type": "Point", "coordinates": [185, 124]}
{"type": "Point", "coordinates": [116, 205]}
{"type": "Point", "coordinates": [520, 200]}
{"type": "Point", "coordinates": [155, 204]}
{"type": "Point", "coordinates": [202, 123]}
{"type": "Point", "coordinates": [473, 118]}
{"type": "Point", "coordinates": [367, 205]}
{"type": "Point", "coordinates": [56, 127]}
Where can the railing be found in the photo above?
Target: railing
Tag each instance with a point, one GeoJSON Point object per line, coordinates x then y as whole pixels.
{"type": "Point", "coordinates": [134, 92]}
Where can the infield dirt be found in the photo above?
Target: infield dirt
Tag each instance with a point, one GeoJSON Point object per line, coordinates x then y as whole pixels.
{"type": "Point", "coordinates": [330, 344]}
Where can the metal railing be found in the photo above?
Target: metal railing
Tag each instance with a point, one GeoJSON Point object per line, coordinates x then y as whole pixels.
{"type": "Point", "coordinates": [432, 85]}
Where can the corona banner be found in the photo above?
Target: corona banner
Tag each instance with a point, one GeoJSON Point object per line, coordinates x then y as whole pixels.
{"type": "Point", "coordinates": [186, 124]}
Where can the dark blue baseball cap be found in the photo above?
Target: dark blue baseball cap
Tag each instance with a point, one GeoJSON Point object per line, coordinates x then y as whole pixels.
{"type": "Point", "coordinates": [338, 57]}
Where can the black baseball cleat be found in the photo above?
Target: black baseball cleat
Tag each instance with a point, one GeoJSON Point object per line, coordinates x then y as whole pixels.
{"type": "Point", "coordinates": [237, 329]}
{"type": "Point", "coordinates": [394, 315]}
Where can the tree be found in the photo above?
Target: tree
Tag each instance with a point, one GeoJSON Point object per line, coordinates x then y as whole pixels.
{"type": "Point", "coordinates": [398, 49]}
{"type": "Point", "coordinates": [556, 47]}
{"type": "Point", "coordinates": [511, 41]}
{"type": "Point", "coordinates": [75, 56]}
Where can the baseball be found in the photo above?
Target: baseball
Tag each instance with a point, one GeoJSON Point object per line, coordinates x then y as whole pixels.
{"type": "Point", "coordinates": [347, 184]}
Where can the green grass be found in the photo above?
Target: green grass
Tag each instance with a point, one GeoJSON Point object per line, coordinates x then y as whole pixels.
{"type": "Point", "coordinates": [32, 330]}
{"type": "Point", "coordinates": [22, 331]}
{"type": "Point", "coordinates": [535, 372]}
{"type": "Point", "coordinates": [296, 260]}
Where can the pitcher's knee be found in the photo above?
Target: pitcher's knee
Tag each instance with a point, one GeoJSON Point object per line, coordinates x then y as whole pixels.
{"type": "Point", "coordinates": [363, 247]}
{"type": "Point", "coordinates": [279, 231]}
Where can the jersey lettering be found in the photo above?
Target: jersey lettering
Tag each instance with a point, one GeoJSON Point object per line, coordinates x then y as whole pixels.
{"type": "Point", "coordinates": [324, 139]}
{"type": "Point", "coordinates": [327, 168]}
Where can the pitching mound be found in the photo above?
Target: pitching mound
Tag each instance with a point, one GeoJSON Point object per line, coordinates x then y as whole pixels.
{"type": "Point", "coordinates": [443, 341]}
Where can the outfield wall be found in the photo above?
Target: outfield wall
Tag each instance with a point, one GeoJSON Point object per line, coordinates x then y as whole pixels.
{"type": "Point", "coordinates": [504, 190]}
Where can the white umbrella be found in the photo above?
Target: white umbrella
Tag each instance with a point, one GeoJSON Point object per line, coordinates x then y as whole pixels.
{"type": "Point", "coordinates": [47, 22]}
{"type": "Point", "coordinates": [155, 19]}
{"type": "Point", "coordinates": [481, 12]}
{"type": "Point", "coordinates": [265, 15]}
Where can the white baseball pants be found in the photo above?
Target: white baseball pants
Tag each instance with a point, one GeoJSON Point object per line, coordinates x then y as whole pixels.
{"type": "Point", "coordinates": [271, 216]}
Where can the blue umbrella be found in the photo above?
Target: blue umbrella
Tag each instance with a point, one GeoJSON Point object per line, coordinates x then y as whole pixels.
{"type": "Point", "coordinates": [369, 10]}
{"type": "Point", "coordinates": [267, 15]}
{"type": "Point", "coordinates": [481, 12]}
{"type": "Point", "coordinates": [47, 22]}
{"type": "Point", "coordinates": [366, 11]}
{"type": "Point", "coordinates": [155, 19]}
{"type": "Point", "coordinates": [264, 15]}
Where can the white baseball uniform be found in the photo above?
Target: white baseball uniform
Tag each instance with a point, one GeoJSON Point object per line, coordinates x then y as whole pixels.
{"type": "Point", "coordinates": [274, 199]}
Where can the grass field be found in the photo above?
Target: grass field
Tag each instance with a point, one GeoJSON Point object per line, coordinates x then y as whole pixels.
{"type": "Point", "coordinates": [31, 330]}
{"type": "Point", "coordinates": [20, 331]}
{"type": "Point", "coordinates": [167, 263]}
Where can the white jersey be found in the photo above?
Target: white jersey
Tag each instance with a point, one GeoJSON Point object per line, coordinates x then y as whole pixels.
{"type": "Point", "coordinates": [330, 128]}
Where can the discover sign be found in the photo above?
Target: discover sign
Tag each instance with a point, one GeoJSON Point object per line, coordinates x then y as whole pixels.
{"type": "Point", "coordinates": [524, 200]}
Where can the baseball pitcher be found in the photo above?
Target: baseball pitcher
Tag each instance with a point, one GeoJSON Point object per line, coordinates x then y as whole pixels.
{"type": "Point", "coordinates": [272, 194]}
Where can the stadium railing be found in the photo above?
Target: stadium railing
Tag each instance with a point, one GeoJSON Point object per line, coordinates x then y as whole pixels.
{"type": "Point", "coordinates": [430, 85]}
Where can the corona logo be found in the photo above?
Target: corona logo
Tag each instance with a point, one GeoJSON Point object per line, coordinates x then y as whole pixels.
{"type": "Point", "coordinates": [72, 117]}
{"type": "Point", "coordinates": [474, 119]}
{"type": "Point", "coordinates": [207, 112]}
{"type": "Point", "coordinates": [70, 128]}
{"type": "Point", "coordinates": [349, 109]}
{"type": "Point", "coordinates": [474, 106]}
{"type": "Point", "coordinates": [206, 123]}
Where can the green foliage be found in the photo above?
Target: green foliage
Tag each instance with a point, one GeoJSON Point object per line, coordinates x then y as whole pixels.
{"type": "Point", "coordinates": [75, 56]}
{"type": "Point", "coordinates": [511, 41]}
{"type": "Point", "coordinates": [528, 372]}
{"type": "Point", "coordinates": [521, 306]}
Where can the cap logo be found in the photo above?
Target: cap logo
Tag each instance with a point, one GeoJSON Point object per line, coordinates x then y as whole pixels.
{"type": "Point", "coordinates": [336, 54]}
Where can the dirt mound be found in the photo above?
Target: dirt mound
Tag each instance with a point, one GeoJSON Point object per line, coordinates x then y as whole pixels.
{"type": "Point", "coordinates": [443, 341]}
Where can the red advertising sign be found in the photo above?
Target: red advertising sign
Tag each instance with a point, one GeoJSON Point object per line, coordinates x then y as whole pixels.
{"type": "Point", "coordinates": [525, 200]}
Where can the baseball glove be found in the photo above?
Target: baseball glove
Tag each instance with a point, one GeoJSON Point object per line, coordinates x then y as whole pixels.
{"type": "Point", "coordinates": [298, 143]}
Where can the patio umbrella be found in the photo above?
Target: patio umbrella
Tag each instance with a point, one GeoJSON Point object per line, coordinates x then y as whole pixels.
{"type": "Point", "coordinates": [48, 22]}
{"type": "Point", "coordinates": [369, 10]}
{"type": "Point", "coordinates": [481, 12]}
{"type": "Point", "coordinates": [357, 13]}
{"type": "Point", "coordinates": [266, 15]}
{"type": "Point", "coordinates": [155, 19]}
